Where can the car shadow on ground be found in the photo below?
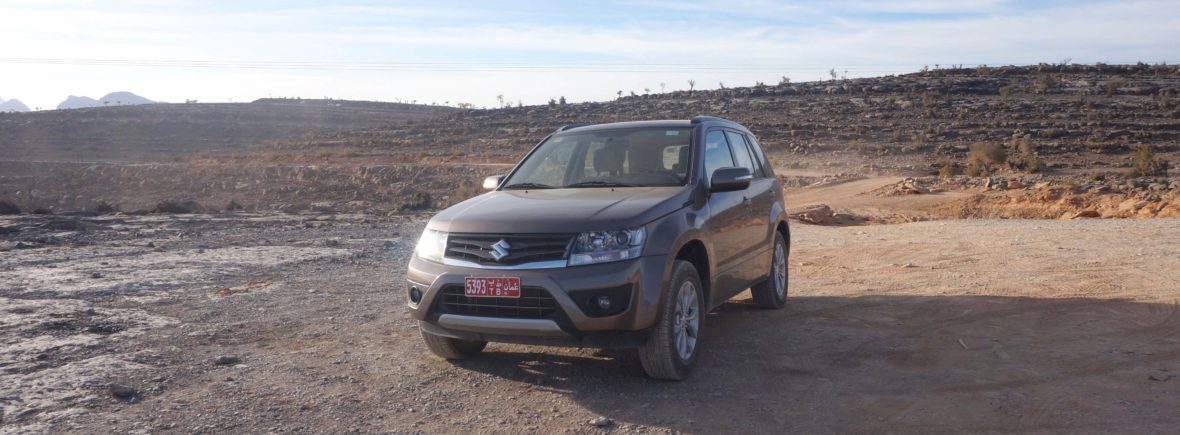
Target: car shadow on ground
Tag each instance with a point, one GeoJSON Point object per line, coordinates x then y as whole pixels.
{"type": "Point", "coordinates": [890, 363]}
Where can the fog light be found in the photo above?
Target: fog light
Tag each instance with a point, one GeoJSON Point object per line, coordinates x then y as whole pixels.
{"type": "Point", "coordinates": [603, 303]}
{"type": "Point", "coordinates": [415, 295]}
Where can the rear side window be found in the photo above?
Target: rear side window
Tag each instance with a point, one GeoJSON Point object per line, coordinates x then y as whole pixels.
{"type": "Point", "coordinates": [741, 152]}
{"type": "Point", "coordinates": [716, 153]}
{"type": "Point", "coordinates": [760, 156]}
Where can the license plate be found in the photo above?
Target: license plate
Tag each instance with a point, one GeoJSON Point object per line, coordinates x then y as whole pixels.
{"type": "Point", "coordinates": [499, 287]}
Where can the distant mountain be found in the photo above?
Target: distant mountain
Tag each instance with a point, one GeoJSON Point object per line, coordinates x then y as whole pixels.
{"type": "Point", "coordinates": [13, 105]}
{"type": "Point", "coordinates": [76, 102]}
{"type": "Point", "coordinates": [123, 99]}
{"type": "Point", "coordinates": [111, 99]}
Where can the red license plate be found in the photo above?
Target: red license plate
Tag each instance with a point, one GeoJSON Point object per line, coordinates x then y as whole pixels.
{"type": "Point", "coordinates": [498, 287]}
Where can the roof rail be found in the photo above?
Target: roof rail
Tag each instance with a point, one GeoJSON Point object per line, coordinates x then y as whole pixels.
{"type": "Point", "coordinates": [700, 119]}
{"type": "Point", "coordinates": [574, 125]}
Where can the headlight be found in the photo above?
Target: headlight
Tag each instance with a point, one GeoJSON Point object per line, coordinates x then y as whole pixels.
{"type": "Point", "coordinates": [605, 246]}
{"type": "Point", "coordinates": [431, 245]}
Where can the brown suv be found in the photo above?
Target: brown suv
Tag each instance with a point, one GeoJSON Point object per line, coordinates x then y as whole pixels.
{"type": "Point", "coordinates": [610, 235]}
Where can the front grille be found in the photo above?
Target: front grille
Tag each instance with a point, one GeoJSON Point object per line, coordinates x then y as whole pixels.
{"type": "Point", "coordinates": [522, 248]}
{"type": "Point", "coordinates": [533, 303]}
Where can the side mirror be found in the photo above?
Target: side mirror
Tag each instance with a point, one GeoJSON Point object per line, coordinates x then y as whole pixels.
{"type": "Point", "coordinates": [492, 182]}
{"type": "Point", "coordinates": [730, 179]}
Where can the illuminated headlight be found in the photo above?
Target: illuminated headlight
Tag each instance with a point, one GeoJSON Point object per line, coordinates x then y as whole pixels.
{"type": "Point", "coordinates": [431, 245]}
{"type": "Point", "coordinates": [606, 246]}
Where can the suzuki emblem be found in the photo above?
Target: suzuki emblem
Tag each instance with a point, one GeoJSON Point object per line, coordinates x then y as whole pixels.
{"type": "Point", "coordinates": [500, 249]}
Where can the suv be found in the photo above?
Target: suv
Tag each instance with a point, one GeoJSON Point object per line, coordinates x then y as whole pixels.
{"type": "Point", "coordinates": [610, 235]}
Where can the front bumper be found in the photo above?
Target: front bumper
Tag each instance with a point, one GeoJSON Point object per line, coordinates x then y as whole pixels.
{"type": "Point", "coordinates": [644, 275]}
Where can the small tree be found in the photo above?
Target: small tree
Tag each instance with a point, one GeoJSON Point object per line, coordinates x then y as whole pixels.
{"type": "Point", "coordinates": [662, 84]}
{"type": "Point", "coordinates": [500, 98]}
{"type": "Point", "coordinates": [561, 100]}
{"type": "Point", "coordinates": [552, 102]}
{"type": "Point", "coordinates": [691, 84]}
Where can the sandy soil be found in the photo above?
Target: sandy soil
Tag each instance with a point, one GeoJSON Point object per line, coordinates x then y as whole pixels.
{"type": "Point", "coordinates": [1011, 326]}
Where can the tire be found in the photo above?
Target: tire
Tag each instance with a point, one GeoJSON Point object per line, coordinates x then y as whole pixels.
{"type": "Point", "coordinates": [452, 348]}
{"type": "Point", "coordinates": [664, 353]}
{"type": "Point", "coordinates": [772, 292]}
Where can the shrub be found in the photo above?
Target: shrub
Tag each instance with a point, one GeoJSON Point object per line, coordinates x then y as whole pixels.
{"type": "Point", "coordinates": [233, 206]}
{"type": "Point", "coordinates": [42, 210]}
{"type": "Point", "coordinates": [1005, 93]}
{"type": "Point", "coordinates": [418, 201]}
{"type": "Point", "coordinates": [1113, 85]}
{"type": "Point", "coordinates": [170, 206]}
{"type": "Point", "coordinates": [947, 170]}
{"type": "Point", "coordinates": [104, 207]}
{"type": "Point", "coordinates": [1144, 163]}
{"type": "Point", "coordinates": [975, 170]}
{"type": "Point", "coordinates": [1051, 133]}
{"type": "Point", "coordinates": [987, 154]}
{"type": "Point", "coordinates": [8, 207]}
{"type": "Point", "coordinates": [1033, 164]}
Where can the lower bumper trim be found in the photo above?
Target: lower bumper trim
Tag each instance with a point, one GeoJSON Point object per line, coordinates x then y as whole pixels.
{"type": "Point", "coordinates": [497, 325]}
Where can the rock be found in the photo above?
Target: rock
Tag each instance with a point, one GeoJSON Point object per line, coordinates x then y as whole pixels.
{"type": "Point", "coordinates": [1014, 184]}
{"type": "Point", "coordinates": [123, 392]}
{"type": "Point", "coordinates": [226, 360]}
{"type": "Point", "coordinates": [600, 422]}
{"type": "Point", "coordinates": [1160, 376]}
{"type": "Point", "coordinates": [1086, 214]}
{"type": "Point", "coordinates": [819, 214]}
{"type": "Point", "coordinates": [1156, 187]}
{"type": "Point", "coordinates": [95, 275]}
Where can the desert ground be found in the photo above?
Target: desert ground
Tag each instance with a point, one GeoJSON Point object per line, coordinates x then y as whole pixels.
{"type": "Point", "coordinates": [295, 323]}
{"type": "Point", "coordinates": [986, 249]}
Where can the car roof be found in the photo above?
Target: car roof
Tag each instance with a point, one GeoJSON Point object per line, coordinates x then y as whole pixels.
{"type": "Point", "coordinates": [666, 123]}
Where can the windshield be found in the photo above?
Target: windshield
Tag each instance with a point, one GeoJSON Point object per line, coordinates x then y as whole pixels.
{"type": "Point", "coordinates": [624, 157]}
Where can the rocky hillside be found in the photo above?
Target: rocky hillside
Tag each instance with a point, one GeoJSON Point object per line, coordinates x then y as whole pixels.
{"type": "Point", "coordinates": [164, 132]}
{"type": "Point", "coordinates": [1075, 116]}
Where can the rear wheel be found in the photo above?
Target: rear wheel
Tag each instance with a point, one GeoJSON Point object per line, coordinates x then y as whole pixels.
{"type": "Point", "coordinates": [452, 348]}
{"type": "Point", "coordinates": [675, 340]}
{"type": "Point", "coordinates": [772, 293]}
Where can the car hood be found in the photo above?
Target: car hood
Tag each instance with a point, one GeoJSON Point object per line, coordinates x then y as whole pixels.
{"type": "Point", "coordinates": [560, 210]}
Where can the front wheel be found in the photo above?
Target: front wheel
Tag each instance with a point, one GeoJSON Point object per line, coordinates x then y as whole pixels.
{"type": "Point", "coordinates": [452, 348]}
{"type": "Point", "coordinates": [675, 340]}
{"type": "Point", "coordinates": [772, 293]}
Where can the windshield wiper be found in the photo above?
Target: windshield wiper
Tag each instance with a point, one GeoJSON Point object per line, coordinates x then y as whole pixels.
{"type": "Point", "coordinates": [598, 183]}
{"type": "Point", "coordinates": [528, 186]}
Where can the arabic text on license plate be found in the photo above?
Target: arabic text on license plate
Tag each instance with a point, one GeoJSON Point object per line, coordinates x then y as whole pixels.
{"type": "Point", "coordinates": [499, 287]}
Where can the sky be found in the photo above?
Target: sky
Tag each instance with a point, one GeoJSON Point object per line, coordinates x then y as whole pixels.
{"type": "Point", "coordinates": [449, 52]}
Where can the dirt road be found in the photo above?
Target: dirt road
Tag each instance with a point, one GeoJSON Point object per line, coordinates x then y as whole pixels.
{"type": "Point", "coordinates": [277, 323]}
